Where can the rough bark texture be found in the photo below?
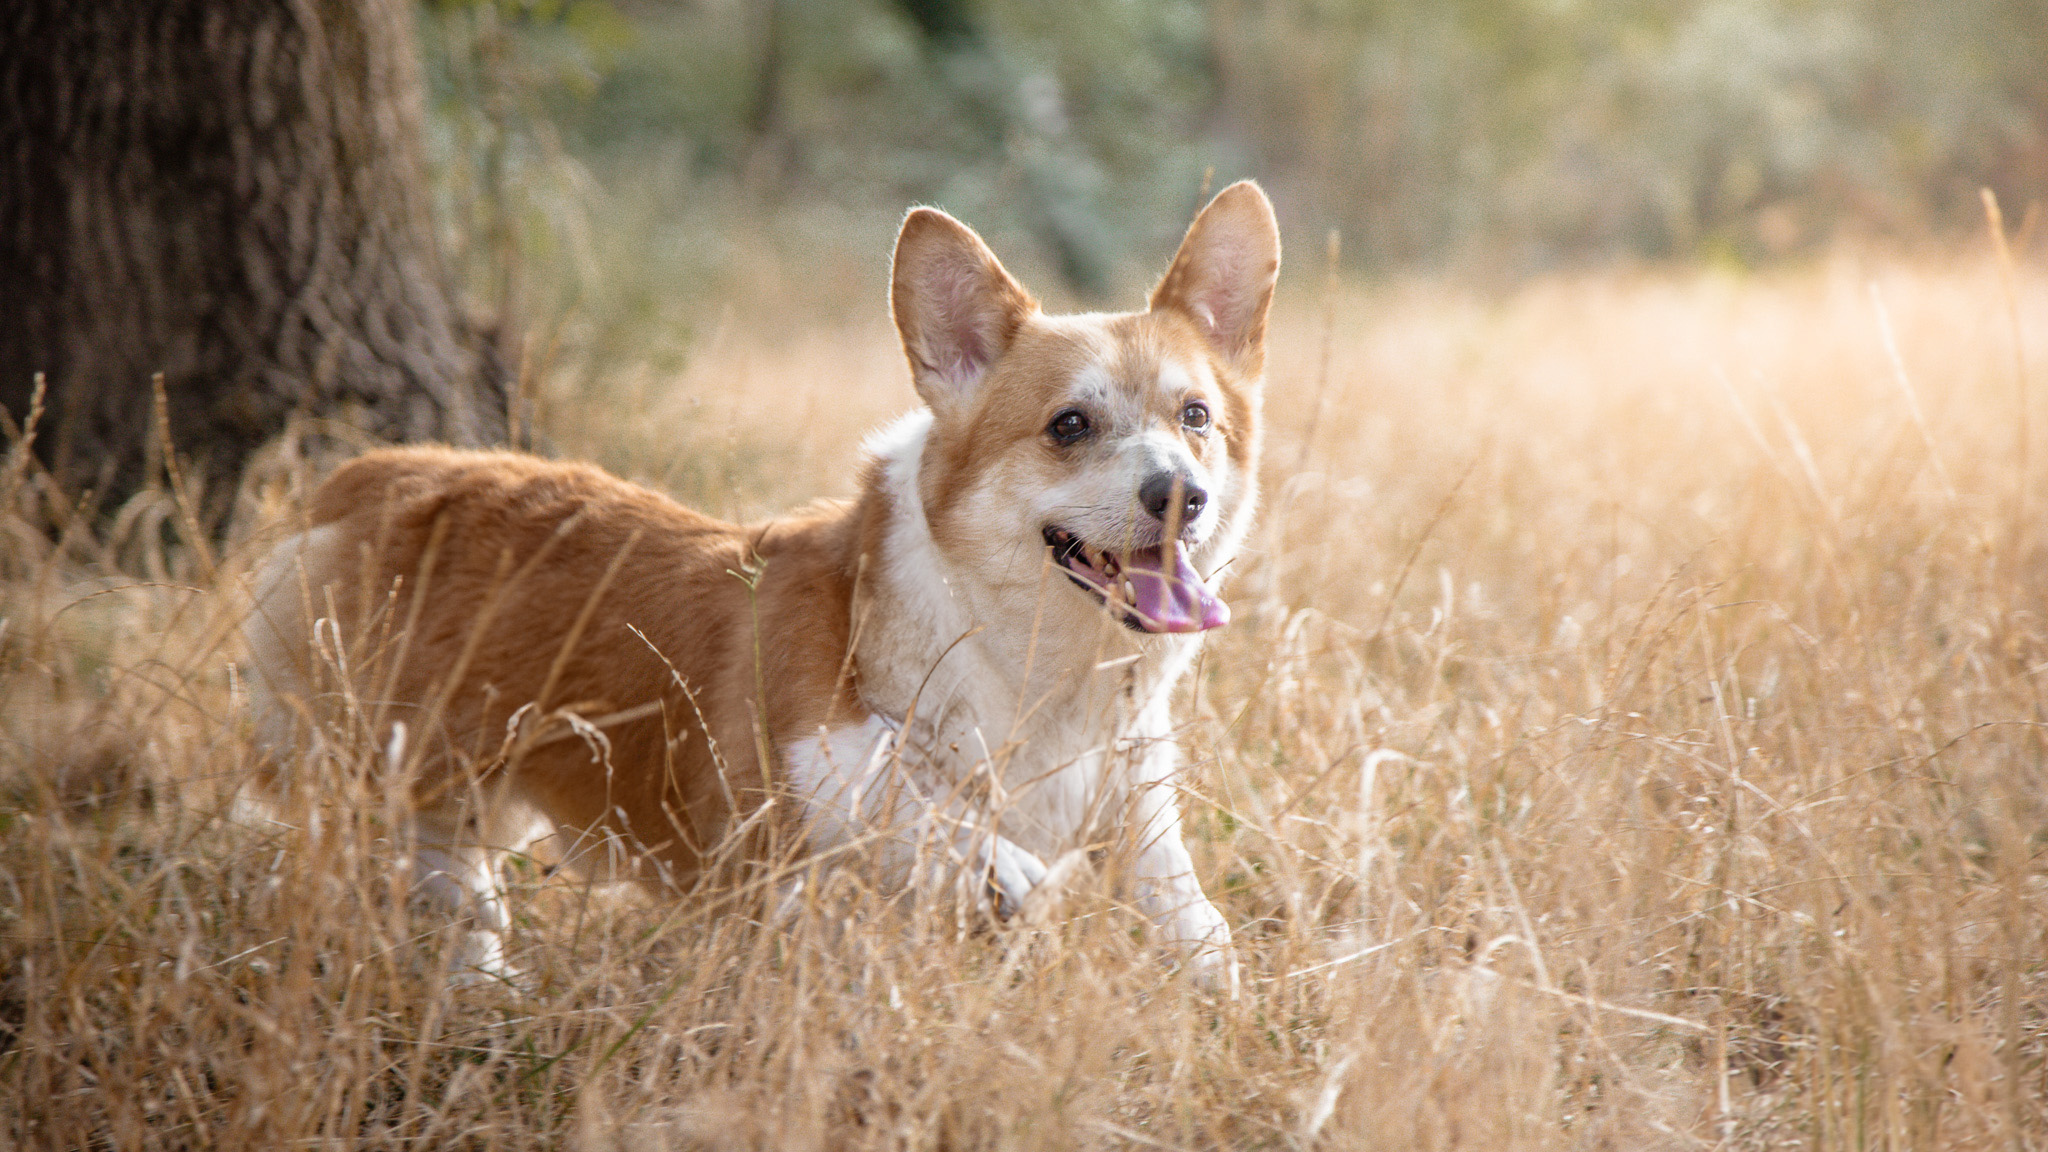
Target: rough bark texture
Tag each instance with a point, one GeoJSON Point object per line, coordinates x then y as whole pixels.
{"type": "Point", "coordinates": [230, 193]}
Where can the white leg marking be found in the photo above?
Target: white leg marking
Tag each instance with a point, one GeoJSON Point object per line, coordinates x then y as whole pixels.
{"type": "Point", "coordinates": [856, 787]}
{"type": "Point", "coordinates": [1171, 897]}
{"type": "Point", "coordinates": [462, 883]}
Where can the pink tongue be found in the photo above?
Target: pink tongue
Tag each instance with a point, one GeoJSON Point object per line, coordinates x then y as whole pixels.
{"type": "Point", "coordinates": [1176, 602]}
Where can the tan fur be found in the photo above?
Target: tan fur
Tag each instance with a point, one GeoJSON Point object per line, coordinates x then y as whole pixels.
{"type": "Point", "coordinates": [524, 545]}
{"type": "Point", "coordinates": [496, 605]}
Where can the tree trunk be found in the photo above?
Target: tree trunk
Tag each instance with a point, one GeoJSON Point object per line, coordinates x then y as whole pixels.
{"type": "Point", "coordinates": [232, 194]}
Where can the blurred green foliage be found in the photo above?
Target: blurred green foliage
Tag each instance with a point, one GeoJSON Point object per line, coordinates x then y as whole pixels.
{"type": "Point", "coordinates": [1508, 135]}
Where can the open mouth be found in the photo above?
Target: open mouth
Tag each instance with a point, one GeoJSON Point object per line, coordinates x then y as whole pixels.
{"type": "Point", "coordinates": [1151, 589]}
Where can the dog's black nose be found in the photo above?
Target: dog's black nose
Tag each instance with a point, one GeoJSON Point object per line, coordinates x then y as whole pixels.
{"type": "Point", "coordinates": [1156, 494]}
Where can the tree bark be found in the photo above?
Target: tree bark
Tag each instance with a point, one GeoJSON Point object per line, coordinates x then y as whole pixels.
{"type": "Point", "coordinates": [232, 194]}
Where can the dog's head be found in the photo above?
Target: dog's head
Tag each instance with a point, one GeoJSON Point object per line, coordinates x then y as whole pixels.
{"type": "Point", "coordinates": [1123, 446]}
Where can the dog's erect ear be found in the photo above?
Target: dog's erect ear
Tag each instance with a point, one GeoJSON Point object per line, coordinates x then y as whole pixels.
{"type": "Point", "coordinates": [1222, 277]}
{"type": "Point", "coordinates": [955, 307]}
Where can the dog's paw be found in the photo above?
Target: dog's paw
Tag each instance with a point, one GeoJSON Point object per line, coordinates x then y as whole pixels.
{"type": "Point", "coordinates": [1010, 873]}
{"type": "Point", "coordinates": [1213, 969]}
{"type": "Point", "coordinates": [1202, 936]}
{"type": "Point", "coordinates": [478, 959]}
{"type": "Point", "coordinates": [1042, 904]}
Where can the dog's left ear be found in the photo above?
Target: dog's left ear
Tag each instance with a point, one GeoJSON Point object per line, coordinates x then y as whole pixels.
{"type": "Point", "coordinates": [955, 307]}
{"type": "Point", "coordinates": [1222, 277]}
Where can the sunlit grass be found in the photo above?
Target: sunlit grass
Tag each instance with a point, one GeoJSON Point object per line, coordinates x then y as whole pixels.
{"type": "Point", "coordinates": [1630, 737]}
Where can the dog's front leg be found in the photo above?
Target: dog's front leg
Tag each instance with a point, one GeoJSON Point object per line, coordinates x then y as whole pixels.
{"type": "Point", "coordinates": [1171, 897]}
{"type": "Point", "coordinates": [858, 787]}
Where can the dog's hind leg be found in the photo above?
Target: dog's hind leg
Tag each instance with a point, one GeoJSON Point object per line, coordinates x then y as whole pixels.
{"type": "Point", "coordinates": [454, 874]}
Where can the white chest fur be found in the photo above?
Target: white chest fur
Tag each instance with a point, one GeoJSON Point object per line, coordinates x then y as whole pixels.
{"type": "Point", "coordinates": [1013, 722]}
{"type": "Point", "coordinates": [885, 800]}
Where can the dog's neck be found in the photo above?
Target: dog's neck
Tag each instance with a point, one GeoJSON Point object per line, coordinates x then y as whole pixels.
{"type": "Point", "coordinates": [1001, 653]}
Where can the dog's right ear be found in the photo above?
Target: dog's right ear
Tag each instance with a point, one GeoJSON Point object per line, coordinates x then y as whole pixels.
{"type": "Point", "coordinates": [955, 307]}
{"type": "Point", "coordinates": [1222, 278]}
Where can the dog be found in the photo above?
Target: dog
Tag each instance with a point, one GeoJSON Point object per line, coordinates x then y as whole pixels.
{"type": "Point", "coordinates": [957, 676]}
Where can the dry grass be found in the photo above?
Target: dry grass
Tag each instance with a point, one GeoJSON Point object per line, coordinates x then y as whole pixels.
{"type": "Point", "coordinates": [1631, 737]}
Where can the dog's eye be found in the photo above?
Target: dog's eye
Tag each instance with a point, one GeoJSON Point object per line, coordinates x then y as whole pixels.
{"type": "Point", "coordinates": [1195, 417]}
{"type": "Point", "coordinates": [1068, 426]}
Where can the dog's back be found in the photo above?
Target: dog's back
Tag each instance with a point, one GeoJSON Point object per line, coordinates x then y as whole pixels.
{"type": "Point", "coordinates": [482, 600]}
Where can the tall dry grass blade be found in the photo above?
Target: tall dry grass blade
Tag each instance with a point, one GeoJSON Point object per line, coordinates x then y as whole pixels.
{"type": "Point", "coordinates": [187, 508]}
{"type": "Point", "coordinates": [1905, 383]}
{"type": "Point", "coordinates": [577, 627]}
{"type": "Point", "coordinates": [503, 580]}
{"type": "Point", "coordinates": [1994, 222]}
{"type": "Point", "coordinates": [21, 445]}
{"type": "Point", "coordinates": [422, 585]}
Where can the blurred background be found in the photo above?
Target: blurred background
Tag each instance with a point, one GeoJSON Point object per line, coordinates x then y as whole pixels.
{"type": "Point", "coordinates": [232, 195]}
{"type": "Point", "coordinates": [642, 156]}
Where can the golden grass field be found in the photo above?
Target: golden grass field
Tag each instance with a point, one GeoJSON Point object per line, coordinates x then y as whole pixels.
{"type": "Point", "coordinates": [1631, 737]}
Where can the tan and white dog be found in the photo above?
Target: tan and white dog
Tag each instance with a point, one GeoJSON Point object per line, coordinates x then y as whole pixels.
{"type": "Point", "coordinates": [962, 674]}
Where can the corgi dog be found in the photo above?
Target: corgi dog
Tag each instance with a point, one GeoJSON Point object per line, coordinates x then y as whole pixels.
{"type": "Point", "coordinates": [963, 675]}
